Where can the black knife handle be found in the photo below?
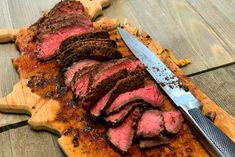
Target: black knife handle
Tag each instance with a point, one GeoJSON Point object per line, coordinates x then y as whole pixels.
{"type": "Point", "coordinates": [218, 143]}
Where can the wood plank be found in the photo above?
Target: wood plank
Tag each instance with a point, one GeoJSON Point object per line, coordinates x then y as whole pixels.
{"type": "Point", "coordinates": [5, 149]}
{"type": "Point", "coordinates": [220, 15]}
{"type": "Point", "coordinates": [26, 142]}
{"type": "Point", "coordinates": [219, 86]}
{"type": "Point", "coordinates": [121, 10]}
{"type": "Point", "coordinates": [25, 12]}
{"type": "Point", "coordinates": [181, 29]}
{"type": "Point", "coordinates": [8, 76]}
{"type": "Point", "coordinates": [159, 25]}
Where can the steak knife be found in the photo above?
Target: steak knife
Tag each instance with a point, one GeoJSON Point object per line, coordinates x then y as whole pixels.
{"type": "Point", "coordinates": [213, 139]}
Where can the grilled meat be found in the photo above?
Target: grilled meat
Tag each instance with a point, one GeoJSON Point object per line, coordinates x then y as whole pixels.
{"type": "Point", "coordinates": [149, 94]}
{"type": "Point", "coordinates": [76, 67]}
{"type": "Point", "coordinates": [121, 137]}
{"type": "Point", "coordinates": [134, 81]}
{"type": "Point", "coordinates": [150, 124]}
{"type": "Point", "coordinates": [173, 121]}
{"type": "Point", "coordinates": [153, 142]}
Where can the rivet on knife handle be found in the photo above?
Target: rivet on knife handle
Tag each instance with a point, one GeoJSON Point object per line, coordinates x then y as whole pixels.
{"type": "Point", "coordinates": [217, 143]}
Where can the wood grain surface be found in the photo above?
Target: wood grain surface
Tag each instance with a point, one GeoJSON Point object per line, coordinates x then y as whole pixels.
{"type": "Point", "coordinates": [25, 142]}
{"type": "Point", "coordinates": [219, 15]}
{"type": "Point", "coordinates": [188, 27]}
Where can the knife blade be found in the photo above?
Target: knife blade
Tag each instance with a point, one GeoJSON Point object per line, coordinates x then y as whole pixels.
{"type": "Point", "coordinates": [214, 140]}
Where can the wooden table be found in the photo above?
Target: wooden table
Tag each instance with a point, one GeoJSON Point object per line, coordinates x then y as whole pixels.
{"type": "Point", "coordinates": [201, 30]}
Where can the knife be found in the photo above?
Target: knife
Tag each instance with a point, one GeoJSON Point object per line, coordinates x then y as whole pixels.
{"type": "Point", "coordinates": [214, 140]}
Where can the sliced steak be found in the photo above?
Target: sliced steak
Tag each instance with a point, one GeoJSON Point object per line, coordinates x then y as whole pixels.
{"type": "Point", "coordinates": [48, 43]}
{"type": "Point", "coordinates": [153, 142]}
{"type": "Point", "coordinates": [118, 117]}
{"type": "Point", "coordinates": [149, 94]}
{"type": "Point", "coordinates": [121, 137]}
{"type": "Point", "coordinates": [61, 8]}
{"type": "Point", "coordinates": [86, 42]}
{"type": "Point", "coordinates": [66, 19]}
{"type": "Point", "coordinates": [104, 79]}
{"type": "Point", "coordinates": [76, 67]}
{"type": "Point", "coordinates": [99, 50]}
{"type": "Point", "coordinates": [81, 80]}
{"type": "Point", "coordinates": [134, 81]}
{"type": "Point", "coordinates": [86, 36]}
{"type": "Point", "coordinates": [173, 121]}
{"type": "Point", "coordinates": [53, 24]}
{"type": "Point", "coordinates": [66, 7]}
{"type": "Point", "coordinates": [150, 124]}
{"type": "Point", "coordinates": [114, 66]}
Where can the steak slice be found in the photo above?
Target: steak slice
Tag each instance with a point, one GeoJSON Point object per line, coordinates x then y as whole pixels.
{"type": "Point", "coordinates": [48, 43]}
{"type": "Point", "coordinates": [121, 137]}
{"type": "Point", "coordinates": [150, 124]}
{"type": "Point", "coordinates": [98, 50]}
{"type": "Point", "coordinates": [153, 142]}
{"type": "Point", "coordinates": [114, 66]}
{"type": "Point", "coordinates": [134, 81]}
{"type": "Point", "coordinates": [86, 36]}
{"type": "Point", "coordinates": [64, 20]}
{"type": "Point", "coordinates": [105, 78]}
{"type": "Point", "coordinates": [173, 121]}
{"type": "Point", "coordinates": [76, 67]}
{"type": "Point", "coordinates": [53, 24]}
{"type": "Point", "coordinates": [94, 94]}
{"type": "Point", "coordinates": [66, 7]}
{"type": "Point", "coordinates": [118, 117]}
{"type": "Point", "coordinates": [149, 94]}
{"type": "Point", "coordinates": [86, 42]}
{"type": "Point", "coordinates": [61, 8]}
{"type": "Point", "coordinates": [81, 80]}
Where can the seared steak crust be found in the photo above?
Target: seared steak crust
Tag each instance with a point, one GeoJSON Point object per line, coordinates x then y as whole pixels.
{"type": "Point", "coordinates": [55, 23]}
{"type": "Point", "coordinates": [65, 7]}
{"type": "Point", "coordinates": [76, 67]}
{"type": "Point", "coordinates": [133, 81]}
{"type": "Point", "coordinates": [64, 20]}
{"type": "Point", "coordinates": [100, 79]}
{"type": "Point", "coordinates": [121, 137]}
{"type": "Point", "coordinates": [86, 42]}
{"type": "Point", "coordinates": [150, 94]}
{"type": "Point", "coordinates": [100, 53]}
{"type": "Point", "coordinates": [60, 9]}
{"type": "Point", "coordinates": [94, 94]}
{"type": "Point", "coordinates": [117, 118]}
{"type": "Point", "coordinates": [86, 36]}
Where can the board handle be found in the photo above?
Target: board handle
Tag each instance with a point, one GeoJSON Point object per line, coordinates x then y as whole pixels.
{"type": "Point", "coordinates": [8, 35]}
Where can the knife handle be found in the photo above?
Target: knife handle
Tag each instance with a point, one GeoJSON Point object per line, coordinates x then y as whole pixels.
{"type": "Point", "coordinates": [214, 140]}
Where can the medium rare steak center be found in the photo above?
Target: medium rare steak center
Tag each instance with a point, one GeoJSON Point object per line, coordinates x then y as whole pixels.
{"type": "Point", "coordinates": [84, 69]}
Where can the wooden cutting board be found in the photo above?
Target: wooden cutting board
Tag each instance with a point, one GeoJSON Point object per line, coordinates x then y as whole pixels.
{"type": "Point", "coordinates": [79, 135]}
